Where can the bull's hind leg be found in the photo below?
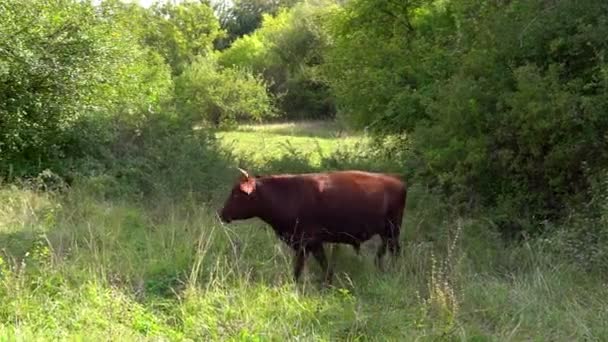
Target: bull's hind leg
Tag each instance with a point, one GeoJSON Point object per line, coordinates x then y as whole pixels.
{"type": "Point", "coordinates": [393, 229]}
{"type": "Point", "coordinates": [319, 253]}
{"type": "Point", "coordinates": [393, 238]}
{"type": "Point", "coordinates": [299, 262]}
{"type": "Point", "coordinates": [390, 240]}
{"type": "Point", "coordinates": [357, 248]}
{"type": "Point", "coordinates": [380, 253]}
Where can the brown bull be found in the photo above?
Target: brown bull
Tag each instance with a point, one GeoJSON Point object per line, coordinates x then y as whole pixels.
{"type": "Point", "coordinates": [307, 210]}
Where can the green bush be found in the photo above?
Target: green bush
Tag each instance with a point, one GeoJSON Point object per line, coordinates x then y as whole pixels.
{"type": "Point", "coordinates": [180, 32]}
{"type": "Point", "coordinates": [287, 50]}
{"type": "Point", "coordinates": [87, 95]}
{"type": "Point", "coordinates": [61, 63]}
{"type": "Point", "coordinates": [160, 158]}
{"type": "Point", "coordinates": [505, 103]}
{"type": "Point", "coordinates": [250, 51]}
{"type": "Point", "coordinates": [523, 138]}
{"type": "Point", "coordinates": [207, 92]}
{"type": "Point", "coordinates": [582, 238]}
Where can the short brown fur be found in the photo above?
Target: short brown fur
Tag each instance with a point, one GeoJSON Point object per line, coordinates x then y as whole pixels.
{"type": "Point", "coordinates": [307, 210]}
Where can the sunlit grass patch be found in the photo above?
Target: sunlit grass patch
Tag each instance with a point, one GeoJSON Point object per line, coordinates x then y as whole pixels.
{"type": "Point", "coordinates": [326, 129]}
{"type": "Point", "coordinates": [311, 141]}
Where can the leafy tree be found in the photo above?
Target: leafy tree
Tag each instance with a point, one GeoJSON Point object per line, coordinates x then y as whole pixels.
{"type": "Point", "coordinates": [375, 64]}
{"type": "Point", "coordinates": [242, 17]}
{"type": "Point", "coordinates": [287, 50]}
{"type": "Point", "coordinates": [182, 31]}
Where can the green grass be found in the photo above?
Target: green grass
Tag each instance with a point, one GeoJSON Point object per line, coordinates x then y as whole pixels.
{"type": "Point", "coordinates": [80, 266]}
{"type": "Point", "coordinates": [260, 144]}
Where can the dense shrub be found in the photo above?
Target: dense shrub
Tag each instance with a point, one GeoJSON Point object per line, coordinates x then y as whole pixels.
{"type": "Point", "coordinates": [61, 63]}
{"type": "Point", "coordinates": [207, 92]}
{"type": "Point", "coordinates": [164, 159]}
{"type": "Point", "coordinates": [583, 236]}
{"type": "Point", "coordinates": [286, 50]}
{"type": "Point", "coordinates": [181, 31]}
{"type": "Point", "coordinates": [505, 102]}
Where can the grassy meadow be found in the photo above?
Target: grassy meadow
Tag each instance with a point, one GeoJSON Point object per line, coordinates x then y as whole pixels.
{"type": "Point", "coordinates": [78, 265]}
{"type": "Point", "coordinates": [310, 140]}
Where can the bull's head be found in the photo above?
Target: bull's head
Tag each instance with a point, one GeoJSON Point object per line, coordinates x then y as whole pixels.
{"type": "Point", "coordinates": [242, 202]}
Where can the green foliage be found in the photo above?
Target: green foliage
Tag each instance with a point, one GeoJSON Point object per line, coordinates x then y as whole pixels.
{"type": "Point", "coordinates": [524, 136]}
{"type": "Point", "coordinates": [161, 158]}
{"type": "Point", "coordinates": [242, 17]}
{"type": "Point", "coordinates": [373, 65]}
{"type": "Point", "coordinates": [217, 95]}
{"type": "Point", "coordinates": [583, 235]}
{"type": "Point", "coordinates": [182, 31]}
{"type": "Point", "coordinates": [286, 49]}
{"type": "Point", "coordinates": [505, 102]}
{"type": "Point", "coordinates": [62, 63]}
{"type": "Point", "coordinates": [250, 51]}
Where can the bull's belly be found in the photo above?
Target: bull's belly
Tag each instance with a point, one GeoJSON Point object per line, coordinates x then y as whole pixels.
{"type": "Point", "coordinates": [350, 232]}
{"type": "Point", "coordinates": [346, 238]}
{"type": "Point", "coordinates": [354, 229]}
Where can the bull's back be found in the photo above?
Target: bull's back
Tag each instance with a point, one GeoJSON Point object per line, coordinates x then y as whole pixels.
{"type": "Point", "coordinates": [357, 198]}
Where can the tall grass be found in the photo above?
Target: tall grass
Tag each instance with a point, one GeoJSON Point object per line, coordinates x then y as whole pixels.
{"type": "Point", "coordinates": [78, 265]}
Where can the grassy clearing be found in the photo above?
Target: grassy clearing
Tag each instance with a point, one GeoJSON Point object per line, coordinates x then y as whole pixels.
{"type": "Point", "coordinates": [310, 129]}
{"type": "Point", "coordinates": [312, 140]}
{"type": "Point", "coordinates": [78, 266]}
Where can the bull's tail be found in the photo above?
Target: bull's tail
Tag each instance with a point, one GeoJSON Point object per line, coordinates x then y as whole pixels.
{"type": "Point", "coordinates": [405, 183]}
{"type": "Point", "coordinates": [401, 177]}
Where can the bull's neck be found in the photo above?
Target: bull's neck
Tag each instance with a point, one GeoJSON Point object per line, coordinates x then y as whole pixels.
{"type": "Point", "coordinates": [270, 205]}
{"type": "Point", "coordinates": [272, 216]}
{"type": "Point", "coordinates": [274, 222]}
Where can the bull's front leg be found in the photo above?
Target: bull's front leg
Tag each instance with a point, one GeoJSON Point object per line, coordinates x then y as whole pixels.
{"type": "Point", "coordinates": [300, 241]}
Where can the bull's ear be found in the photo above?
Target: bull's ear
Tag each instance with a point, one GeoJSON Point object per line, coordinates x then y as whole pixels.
{"type": "Point", "coordinates": [248, 186]}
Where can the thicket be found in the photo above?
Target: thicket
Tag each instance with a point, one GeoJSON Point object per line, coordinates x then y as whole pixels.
{"type": "Point", "coordinates": [504, 102]}
{"type": "Point", "coordinates": [62, 64]}
{"type": "Point", "coordinates": [116, 89]}
{"type": "Point", "coordinates": [222, 95]}
{"type": "Point", "coordinates": [287, 51]}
